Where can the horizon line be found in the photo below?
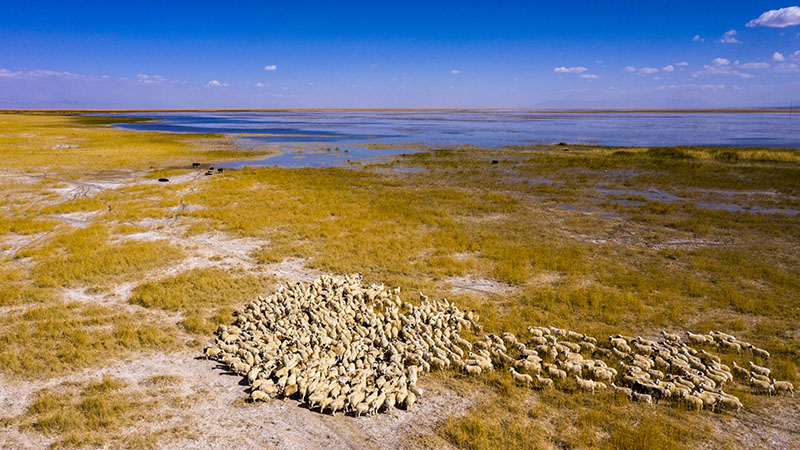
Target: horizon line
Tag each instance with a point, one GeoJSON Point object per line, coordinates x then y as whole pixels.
{"type": "Point", "coordinates": [444, 109]}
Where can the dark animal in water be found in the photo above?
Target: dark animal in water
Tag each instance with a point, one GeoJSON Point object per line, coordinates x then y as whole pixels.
{"type": "Point", "coordinates": [195, 164]}
{"type": "Point", "coordinates": [163, 180]}
{"type": "Point", "coordinates": [494, 161]}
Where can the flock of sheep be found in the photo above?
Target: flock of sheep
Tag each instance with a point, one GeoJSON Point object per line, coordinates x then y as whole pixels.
{"type": "Point", "coordinates": [340, 346]}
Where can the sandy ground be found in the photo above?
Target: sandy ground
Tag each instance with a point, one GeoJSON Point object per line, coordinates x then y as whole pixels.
{"type": "Point", "coordinates": [219, 413]}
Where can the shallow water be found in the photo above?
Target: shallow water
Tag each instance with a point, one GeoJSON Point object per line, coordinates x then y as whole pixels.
{"type": "Point", "coordinates": [489, 128]}
{"type": "Point", "coordinates": [316, 158]}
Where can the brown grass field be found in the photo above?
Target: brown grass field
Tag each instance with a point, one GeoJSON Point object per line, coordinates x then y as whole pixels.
{"type": "Point", "coordinates": [111, 283]}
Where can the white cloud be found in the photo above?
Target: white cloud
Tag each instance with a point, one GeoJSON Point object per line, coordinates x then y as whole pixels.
{"type": "Point", "coordinates": [719, 62]}
{"type": "Point", "coordinates": [729, 37]}
{"type": "Point", "coordinates": [692, 86]}
{"type": "Point", "coordinates": [259, 84]}
{"type": "Point", "coordinates": [630, 69]}
{"type": "Point", "coordinates": [41, 73]}
{"type": "Point", "coordinates": [786, 67]}
{"type": "Point", "coordinates": [310, 83]}
{"type": "Point", "coordinates": [562, 69]}
{"type": "Point", "coordinates": [590, 76]}
{"type": "Point", "coordinates": [753, 65]}
{"type": "Point", "coordinates": [720, 66]}
{"type": "Point", "coordinates": [215, 83]}
{"type": "Point", "coordinates": [777, 56]}
{"type": "Point", "coordinates": [647, 71]}
{"type": "Point", "coordinates": [668, 68]}
{"type": "Point", "coordinates": [796, 55]}
{"type": "Point", "coordinates": [455, 71]}
{"type": "Point", "coordinates": [270, 67]}
{"type": "Point", "coordinates": [778, 18]}
{"type": "Point", "coordinates": [681, 64]}
{"type": "Point", "coordinates": [144, 78]}
{"type": "Point", "coordinates": [697, 38]}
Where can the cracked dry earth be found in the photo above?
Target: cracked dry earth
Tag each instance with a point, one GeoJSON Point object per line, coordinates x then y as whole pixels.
{"type": "Point", "coordinates": [216, 415]}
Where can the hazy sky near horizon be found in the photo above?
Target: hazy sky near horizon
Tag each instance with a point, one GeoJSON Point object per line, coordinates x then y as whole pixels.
{"type": "Point", "coordinates": [266, 54]}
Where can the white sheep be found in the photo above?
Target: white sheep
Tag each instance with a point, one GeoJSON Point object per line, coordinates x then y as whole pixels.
{"type": "Point", "coordinates": [782, 386]}
{"type": "Point", "coordinates": [759, 369]}
{"type": "Point", "coordinates": [544, 382]}
{"type": "Point", "coordinates": [520, 377]}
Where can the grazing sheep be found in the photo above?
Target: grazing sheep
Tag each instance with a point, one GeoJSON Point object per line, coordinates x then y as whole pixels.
{"type": "Point", "coordinates": [258, 396]}
{"type": "Point", "coordinates": [730, 346]}
{"type": "Point", "coordinates": [361, 409]}
{"type": "Point", "coordinates": [759, 377]}
{"type": "Point", "coordinates": [341, 346]}
{"type": "Point", "coordinates": [692, 402]}
{"type": "Point", "coordinates": [472, 369]}
{"type": "Point", "coordinates": [671, 337]}
{"type": "Point", "coordinates": [544, 382]}
{"type": "Point", "coordinates": [556, 373]}
{"type": "Point", "coordinates": [758, 352]}
{"type": "Point", "coordinates": [697, 338]}
{"type": "Point", "coordinates": [782, 386]}
{"type": "Point", "coordinates": [619, 390]}
{"type": "Point", "coordinates": [642, 398]}
{"type": "Point", "coordinates": [521, 377]}
{"type": "Point", "coordinates": [212, 352]}
{"type": "Point", "coordinates": [728, 402]}
{"type": "Point", "coordinates": [759, 369]}
{"type": "Point", "coordinates": [740, 371]}
{"type": "Point", "coordinates": [761, 387]}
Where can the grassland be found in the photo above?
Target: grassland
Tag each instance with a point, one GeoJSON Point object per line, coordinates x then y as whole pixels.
{"type": "Point", "coordinates": [595, 239]}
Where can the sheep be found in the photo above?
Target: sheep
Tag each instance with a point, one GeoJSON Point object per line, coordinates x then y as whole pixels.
{"type": "Point", "coordinates": [544, 382]}
{"type": "Point", "coordinates": [520, 377]}
{"type": "Point", "coordinates": [557, 373]}
{"type": "Point", "coordinates": [759, 377]}
{"type": "Point", "coordinates": [730, 403]}
{"type": "Point", "coordinates": [730, 346]}
{"type": "Point", "coordinates": [509, 338]}
{"type": "Point", "coordinates": [697, 338]}
{"type": "Point", "coordinates": [758, 352]}
{"type": "Point", "coordinates": [338, 404]}
{"type": "Point", "coordinates": [361, 409]}
{"type": "Point", "coordinates": [782, 386]}
{"type": "Point", "coordinates": [671, 337]}
{"type": "Point", "coordinates": [643, 398]}
{"type": "Point", "coordinates": [759, 369]}
{"type": "Point", "coordinates": [472, 369]}
{"type": "Point", "coordinates": [341, 346]}
{"type": "Point", "coordinates": [586, 385]}
{"type": "Point", "coordinates": [761, 387]}
{"type": "Point", "coordinates": [258, 396]}
{"type": "Point", "coordinates": [740, 371]}
{"type": "Point", "coordinates": [692, 402]}
{"type": "Point", "coordinates": [211, 352]}
{"type": "Point", "coordinates": [627, 392]}
{"type": "Point", "coordinates": [535, 332]}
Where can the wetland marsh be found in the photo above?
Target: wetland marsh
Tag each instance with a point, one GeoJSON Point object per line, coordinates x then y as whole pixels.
{"type": "Point", "coordinates": [111, 282]}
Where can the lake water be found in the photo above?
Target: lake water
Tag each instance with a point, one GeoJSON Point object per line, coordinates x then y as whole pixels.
{"type": "Point", "coordinates": [488, 128]}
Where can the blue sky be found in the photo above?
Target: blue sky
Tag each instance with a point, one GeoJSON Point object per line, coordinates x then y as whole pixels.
{"type": "Point", "coordinates": [399, 54]}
